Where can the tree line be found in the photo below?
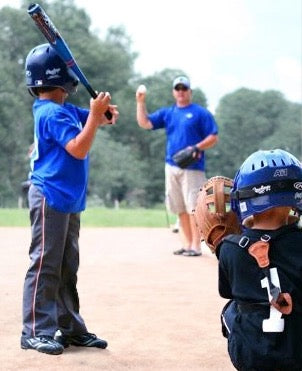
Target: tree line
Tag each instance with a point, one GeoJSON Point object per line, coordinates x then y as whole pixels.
{"type": "Point", "coordinates": [127, 163]}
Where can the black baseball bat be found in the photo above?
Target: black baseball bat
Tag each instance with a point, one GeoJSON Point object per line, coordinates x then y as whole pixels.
{"type": "Point", "coordinates": [54, 38]}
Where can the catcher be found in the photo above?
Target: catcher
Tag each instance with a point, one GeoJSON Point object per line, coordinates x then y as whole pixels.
{"type": "Point", "coordinates": [190, 129]}
{"type": "Point", "coordinates": [260, 269]}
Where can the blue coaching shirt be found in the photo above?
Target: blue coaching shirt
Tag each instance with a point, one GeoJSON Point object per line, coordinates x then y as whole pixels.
{"type": "Point", "coordinates": [185, 126]}
{"type": "Point", "coordinates": [60, 177]}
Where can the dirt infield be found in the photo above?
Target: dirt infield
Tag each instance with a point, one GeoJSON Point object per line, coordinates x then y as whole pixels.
{"type": "Point", "coordinates": [157, 311]}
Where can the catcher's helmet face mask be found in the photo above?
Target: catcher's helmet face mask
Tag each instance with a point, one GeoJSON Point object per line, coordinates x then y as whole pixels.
{"type": "Point", "coordinates": [267, 179]}
{"type": "Point", "coordinates": [44, 68]}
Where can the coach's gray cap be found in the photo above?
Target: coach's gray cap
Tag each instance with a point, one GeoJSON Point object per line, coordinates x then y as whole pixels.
{"type": "Point", "coordinates": [181, 80]}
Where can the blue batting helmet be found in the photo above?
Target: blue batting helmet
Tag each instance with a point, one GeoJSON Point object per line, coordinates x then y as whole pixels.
{"type": "Point", "coordinates": [45, 68]}
{"type": "Point", "coordinates": [267, 179]}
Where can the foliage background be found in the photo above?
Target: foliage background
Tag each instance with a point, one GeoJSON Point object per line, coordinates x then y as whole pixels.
{"type": "Point", "coordinates": [127, 163]}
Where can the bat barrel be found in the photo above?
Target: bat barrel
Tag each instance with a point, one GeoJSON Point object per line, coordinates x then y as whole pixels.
{"type": "Point", "coordinates": [43, 23]}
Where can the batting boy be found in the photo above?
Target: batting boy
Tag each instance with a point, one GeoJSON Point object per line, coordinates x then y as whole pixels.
{"type": "Point", "coordinates": [63, 136]}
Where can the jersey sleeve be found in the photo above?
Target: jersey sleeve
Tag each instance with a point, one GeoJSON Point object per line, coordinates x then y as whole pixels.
{"type": "Point", "coordinates": [79, 112]}
{"type": "Point", "coordinates": [224, 286]}
{"type": "Point", "coordinates": [82, 114]}
{"type": "Point", "coordinates": [64, 126]}
{"type": "Point", "coordinates": [158, 117]}
{"type": "Point", "coordinates": [209, 124]}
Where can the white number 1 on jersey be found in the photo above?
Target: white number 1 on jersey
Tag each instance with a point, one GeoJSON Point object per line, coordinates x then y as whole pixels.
{"type": "Point", "coordinates": [274, 323]}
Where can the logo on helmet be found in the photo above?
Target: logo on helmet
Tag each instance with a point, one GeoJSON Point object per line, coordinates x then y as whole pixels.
{"type": "Point", "coordinates": [298, 186]}
{"type": "Point", "coordinates": [243, 207]}
{"type": "Point", "coordinates": [262, 189]}
{"type": "Point", "coordinates": [298, 196]}
{"type": "Point", "coordinates": [53, 74]}
{"type": "Point", "coordinates": [280, 172]}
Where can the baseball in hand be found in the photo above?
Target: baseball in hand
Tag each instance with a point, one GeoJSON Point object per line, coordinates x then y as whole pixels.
{"type": "Point", "coordinates": [142, 89]}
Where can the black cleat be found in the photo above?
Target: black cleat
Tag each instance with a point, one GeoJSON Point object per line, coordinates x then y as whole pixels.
{"type": "Point", "coordinates": [84, 340]}
{"type": "Point", "coordinates": [43, 344]}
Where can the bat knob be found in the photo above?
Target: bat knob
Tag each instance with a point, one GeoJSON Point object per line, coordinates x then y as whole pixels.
{"type": "Point", "coordinates": [33, 8]}
{"type": "Point", "coordinates": [108, 114]}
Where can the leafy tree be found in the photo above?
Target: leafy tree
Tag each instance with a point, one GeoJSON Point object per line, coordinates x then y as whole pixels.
{"type": "Point", "coordinates": [250, 120]}
{"type": "Point", "coordinates": [115, 172]}
{"type": "Point", "coordinates": [288, 136]}
{"type": "Point", "coordinates": [110, 71]}
{"type": "Point", "coordinates": [14, 112]}
{"type": "Point", "coordinates": [127, 162]}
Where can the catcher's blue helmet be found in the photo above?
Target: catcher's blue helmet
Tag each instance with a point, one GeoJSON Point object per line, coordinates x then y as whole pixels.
{"type": "Point", "coordinates": [267, 179]}
{"type": "Point", "coordinates": [44, 68]}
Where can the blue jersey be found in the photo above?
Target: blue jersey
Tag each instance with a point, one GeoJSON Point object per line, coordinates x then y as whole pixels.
{"type": "Point", "coordinates": [185, 126]}
{"type": "Point", "coordinates": [60, 177]}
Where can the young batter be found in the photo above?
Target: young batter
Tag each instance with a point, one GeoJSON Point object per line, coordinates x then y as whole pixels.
{"type": "Point", "coordinates": [63, 136]}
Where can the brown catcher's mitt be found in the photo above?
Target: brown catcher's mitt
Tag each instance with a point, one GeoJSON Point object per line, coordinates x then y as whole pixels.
{"type": "Point", "coordinates": [213, 213]}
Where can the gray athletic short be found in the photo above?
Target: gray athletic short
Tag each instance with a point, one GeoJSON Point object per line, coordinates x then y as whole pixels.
{"type": "Point", "coordinates": [182, 187]}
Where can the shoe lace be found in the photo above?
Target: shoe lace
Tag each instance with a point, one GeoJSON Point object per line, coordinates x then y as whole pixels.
{"type": "Point", "coordinates": [90, 335]}
{"type": "Point", "coordinates": [46, 339]}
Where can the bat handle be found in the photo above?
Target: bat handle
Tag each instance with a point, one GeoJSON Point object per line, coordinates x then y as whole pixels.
{"type": "Point", "coordinates": [108, 114]}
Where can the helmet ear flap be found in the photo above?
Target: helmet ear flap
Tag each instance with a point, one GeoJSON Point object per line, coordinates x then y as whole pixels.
{"type": "Point", "coordinates": [32, 92]}
{"type": "Point", "coordinates": [72, 82]}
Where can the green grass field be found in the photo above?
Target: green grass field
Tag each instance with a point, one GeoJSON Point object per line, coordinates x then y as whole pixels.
{"type": "Point", "coordinates": [98, 217]}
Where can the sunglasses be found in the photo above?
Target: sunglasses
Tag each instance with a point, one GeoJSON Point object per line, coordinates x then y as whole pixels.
{"type": "Point", "coordinates": [181, 87]}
